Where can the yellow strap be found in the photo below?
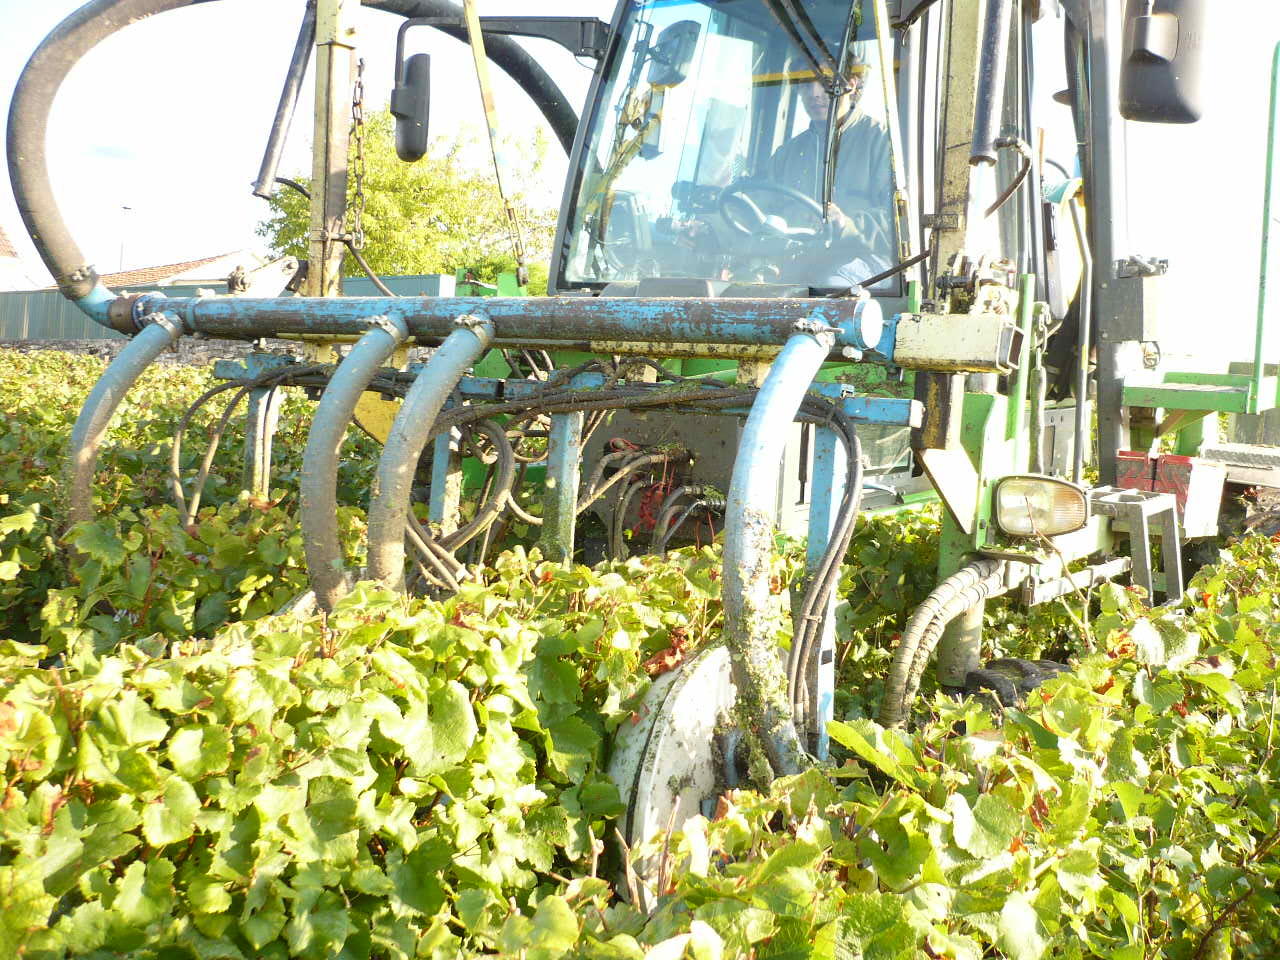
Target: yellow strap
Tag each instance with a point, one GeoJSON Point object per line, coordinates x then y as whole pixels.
{"type": "Point", "coordinates": [476, 36]}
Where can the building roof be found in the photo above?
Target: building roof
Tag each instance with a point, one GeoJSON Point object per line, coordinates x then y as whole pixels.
{"type": "Point", "coordinates": [156, 275]}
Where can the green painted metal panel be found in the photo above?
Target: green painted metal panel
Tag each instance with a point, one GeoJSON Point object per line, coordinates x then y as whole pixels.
{"type": "Point", "coordinates": [1189, 396]}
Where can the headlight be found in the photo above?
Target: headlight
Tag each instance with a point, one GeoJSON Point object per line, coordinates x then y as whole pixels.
{"type": "Point", "coordinates": [1045, 506]}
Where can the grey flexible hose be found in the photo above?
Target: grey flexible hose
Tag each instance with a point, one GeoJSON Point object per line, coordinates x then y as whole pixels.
{"type": "Point", "coordinates": [408, 438]}
{"type": "Point", "coordinates": [500, 497]}
{"type": "Point", "coordinates": [948, 600]}
{"type": "Point", "coordinates": [101, 405]}
{"type": "Point", "coordinates": [667, 511]}
{"type": "Point", "coordinates": [29, 125]}
{"type": "Point", "coordinates": [318, 485]}
{"type": "Point", "coordinates": [639, 463]}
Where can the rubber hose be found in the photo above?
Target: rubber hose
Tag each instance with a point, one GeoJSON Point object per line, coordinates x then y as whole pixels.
{"type": "Point", "coordinates": [892, 710]}
{"type": "Point", "coordinates": [496, 503]}
{"type": "Point", "coordinates": [666, 511]}
{"type": "Point", "coordinates": [408, 438]}
{"type": "Point", "coordinates": [101, 405]}
{"type": "Point", "coordinates": [318, 485]}
{"type": "Point", "coordinates": [29, 124]}
{"type": "Point", "coordinates": [514, 60]}
{"type": "Point", "coordinates": [968, 598]}
{"type": "Point", "coordinates": [639, 463]}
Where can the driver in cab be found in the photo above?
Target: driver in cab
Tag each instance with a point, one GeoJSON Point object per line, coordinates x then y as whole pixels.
{"type": "Point", "coordinates": [860, 213]}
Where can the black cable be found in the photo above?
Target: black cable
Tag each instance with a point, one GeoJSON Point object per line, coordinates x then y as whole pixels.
{"type": "Point", "coordinates": [294, 184]}
{"type": "Point", "coordinates": [884, 275]}
{"type": "Point", "coordinates": [368, 270]}
{"type": "Point", "coordinates": [1012, 143]}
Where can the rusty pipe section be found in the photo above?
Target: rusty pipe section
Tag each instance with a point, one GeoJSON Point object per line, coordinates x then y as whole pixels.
{"type": "Point", "coordinates": [159, 333]}
{"type": "Point", "coordinates": [749, 608]}
{"type": "Point", "coordinates": [559, 321]}
{"type": "Point", "coordinates": [389, 505]}
{"type": "Point", "coordinates": [317, 487]}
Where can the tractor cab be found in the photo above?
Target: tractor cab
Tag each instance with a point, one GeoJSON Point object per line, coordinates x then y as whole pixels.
{"type": "Point", "coordinates": [742, 144]}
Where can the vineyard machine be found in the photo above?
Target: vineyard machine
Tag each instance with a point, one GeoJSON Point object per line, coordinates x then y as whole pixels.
{"type": "Point", "coordinates": [764, 197]}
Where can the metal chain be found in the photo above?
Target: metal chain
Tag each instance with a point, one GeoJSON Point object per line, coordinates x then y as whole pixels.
{"type": "Point", "coordinates": [357, 133]}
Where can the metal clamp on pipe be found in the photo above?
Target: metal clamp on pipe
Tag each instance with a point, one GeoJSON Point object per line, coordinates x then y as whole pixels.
{"type": "Point", "coordinates": [958, 343]}
{"type": "Point", "coordinates": [389, 506]}
{"type": "Point", "coordinates": [318, 484]}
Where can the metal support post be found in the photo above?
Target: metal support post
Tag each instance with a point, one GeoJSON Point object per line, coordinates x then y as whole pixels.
{"type": "Point", "coordinates": [335, 58]}
{"type": "Point", "coordinates": [960, 649]}
{"type": "Point", "coordinates": [829, 472]}
{"type": "Point", "coordinates": [260, 429]}
{"type": "Point", "coordinates": [446, 481]}
{"type": "Point", "coordinates": [942, 393]}
{"type": "Point", "coordinates": [564, 474]}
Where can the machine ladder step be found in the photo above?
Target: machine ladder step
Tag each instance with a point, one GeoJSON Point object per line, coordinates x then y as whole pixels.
{"type": "Point", "coordinates": [1248, 463]}
{"type": "Point", "coordinates": [1188, 396]}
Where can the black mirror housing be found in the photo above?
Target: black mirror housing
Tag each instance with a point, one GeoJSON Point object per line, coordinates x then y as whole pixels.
{"type": "Point", "coordinates": [1164, 47]}
{"type": "Point", "coordinates": [411, 106]}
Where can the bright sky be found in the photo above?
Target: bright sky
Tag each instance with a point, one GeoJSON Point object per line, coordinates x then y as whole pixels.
{"type": "Point", "coordinates": [170, 117]}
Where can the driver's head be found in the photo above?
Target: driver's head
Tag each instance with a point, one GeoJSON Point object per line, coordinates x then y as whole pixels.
{"type": "Point", "coordinates": [816, 100]}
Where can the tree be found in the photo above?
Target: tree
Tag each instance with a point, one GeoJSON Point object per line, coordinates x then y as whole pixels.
{"type": "Point", "coordinates": [434, 216]}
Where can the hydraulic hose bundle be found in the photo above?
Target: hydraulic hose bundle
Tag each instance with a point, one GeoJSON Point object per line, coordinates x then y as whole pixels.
{"type": "Point", "coordinates": [961, 591]}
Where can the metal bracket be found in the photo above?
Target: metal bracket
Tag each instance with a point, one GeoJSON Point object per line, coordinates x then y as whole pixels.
{"type": "Point", "coordinates": [394, 327]}
{"type": "Point", "coordinates": [1137, 510]}
{"type": "Point", "coordinates": [1141, 267]}
{"type": "Point", "coordinates": [581, 36]}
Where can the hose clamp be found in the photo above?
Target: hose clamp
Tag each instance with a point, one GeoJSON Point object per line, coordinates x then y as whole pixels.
{"type": "Point", "coordinates": [165, 322]}
{"type": "Point", "coordinates": [394, 327]}
{"type": "Point", "coordinates": [824, 333]}
{"type": "Point", "coordinates": [472, 321]}
{"type": "Point", "coordinates": [479, 325]}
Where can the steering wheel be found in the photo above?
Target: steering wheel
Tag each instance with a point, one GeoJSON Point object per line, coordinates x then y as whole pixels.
{"type": "Point", "coordinates": [738, 196]}
{"type": "Point", "coordinates": [869, 230]}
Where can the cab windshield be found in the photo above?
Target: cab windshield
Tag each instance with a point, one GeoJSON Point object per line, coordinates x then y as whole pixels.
{"type": "Point", "coordinates": [737, 140]}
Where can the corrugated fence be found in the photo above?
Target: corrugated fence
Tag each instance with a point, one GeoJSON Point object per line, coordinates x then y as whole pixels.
{"type": "Point", "coordinates": [48, 315]}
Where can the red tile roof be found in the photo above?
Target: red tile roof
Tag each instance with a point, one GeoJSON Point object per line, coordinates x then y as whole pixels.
{"type": "Point", "coordinates": [6, 248]}
{"type": "Point", "coordinates": [149, 275]}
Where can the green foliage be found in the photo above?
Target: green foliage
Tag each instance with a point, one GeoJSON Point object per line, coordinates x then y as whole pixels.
{"type": "Point", "coordinates": [187, 773]}
{"type": "Point", "coordinates": [434, 216]}
{"type": "Point", "coordinates": [134, 570]}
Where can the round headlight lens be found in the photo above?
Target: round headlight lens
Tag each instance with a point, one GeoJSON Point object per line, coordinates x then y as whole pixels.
{"type": "Point", "coordinates": [1040, 506]}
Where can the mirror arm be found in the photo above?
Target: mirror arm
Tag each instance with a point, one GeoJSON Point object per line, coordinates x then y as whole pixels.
{"type": "Point", "coordinates": [581, 36]}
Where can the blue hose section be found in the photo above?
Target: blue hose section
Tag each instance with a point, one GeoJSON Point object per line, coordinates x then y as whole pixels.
{"type": "Point", "coordinates": [389, 507]}
{"type": "Point", "coordinates": [749, 540]}
{"type": "Point", "coordinates": [318, 487]}
{"type": "Point", "coordinates": [100, 407]}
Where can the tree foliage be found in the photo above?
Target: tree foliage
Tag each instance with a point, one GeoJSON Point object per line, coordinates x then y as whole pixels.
{"type": "Point", "coordinates": [438, 215]}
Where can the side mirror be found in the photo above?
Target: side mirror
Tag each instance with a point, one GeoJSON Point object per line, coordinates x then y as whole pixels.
{"type": "Point", "coordinates": [1163, 53]}
{"type": "Point", "coordinates": [411, 106]}
{"type": "Point", "coordinates": [672, 53]}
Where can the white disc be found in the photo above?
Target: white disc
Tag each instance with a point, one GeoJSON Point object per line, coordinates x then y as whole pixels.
{"type": "Point", "coordinates": [666, 764]}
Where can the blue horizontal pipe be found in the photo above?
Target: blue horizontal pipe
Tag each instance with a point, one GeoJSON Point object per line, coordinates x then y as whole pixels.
{"type": "Point", "coordinates": [557, 320]}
